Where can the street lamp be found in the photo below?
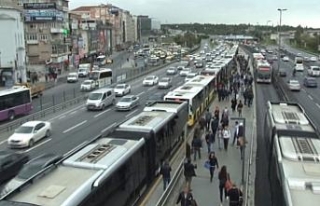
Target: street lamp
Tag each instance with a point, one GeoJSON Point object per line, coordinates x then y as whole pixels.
{"type": "Point", "coordinates": [279, 37]}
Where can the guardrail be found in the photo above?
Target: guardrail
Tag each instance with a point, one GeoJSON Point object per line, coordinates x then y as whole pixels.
{"type": "Point", "coordinates": [64, 105]}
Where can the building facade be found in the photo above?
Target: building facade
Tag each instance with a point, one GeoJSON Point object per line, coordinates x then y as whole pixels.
{"type": "Point", "coordinates": [46, 33]}
{"type": "Point", "coordinates": [144, 27]}
{"type": "Point", "coordinates": [12, 44]}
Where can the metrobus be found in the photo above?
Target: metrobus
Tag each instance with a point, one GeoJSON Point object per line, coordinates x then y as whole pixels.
{"type": "Point", "coordinates": [14, 102]}
{"type": "Point", "coordinates": [103, 77]}
{"type": "Point", "coordinates": [112, 169]}
{"type": "Point", "coordinates": [293, 150]}
{"type": "Point", "coordinates": [257, 57]}
{"type": "Point", "coordinates": [263, 72]}
{"type": "Point", "coordinates": [195, 97]}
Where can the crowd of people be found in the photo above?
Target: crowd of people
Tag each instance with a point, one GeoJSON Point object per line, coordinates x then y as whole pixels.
{"type": "Point", "coordinates": [213, 127]}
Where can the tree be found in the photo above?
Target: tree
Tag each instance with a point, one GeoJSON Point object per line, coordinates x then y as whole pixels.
{"type": "Point", "coordinates": [297, 35]}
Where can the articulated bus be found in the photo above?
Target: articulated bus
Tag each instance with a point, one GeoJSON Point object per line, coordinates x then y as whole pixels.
{"type": "Point", "coordinates": [293, 147]}
{"type": "Point", "coordinates": [263, 72]}
{"type": "Point", "coordinates": [103, 77]}
{"type": "Point", "coordinates": [195, 97]}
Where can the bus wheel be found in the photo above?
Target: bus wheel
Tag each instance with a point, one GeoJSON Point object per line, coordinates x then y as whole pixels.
{"type": "Point", "coordinates": [11, 115]}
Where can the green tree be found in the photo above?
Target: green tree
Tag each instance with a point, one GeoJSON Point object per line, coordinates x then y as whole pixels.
{"type": "Point", "coordinates": [298, 34]}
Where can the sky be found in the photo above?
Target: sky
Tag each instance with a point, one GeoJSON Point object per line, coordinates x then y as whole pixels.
{"type": "Point", "coordinates": [256, 12]}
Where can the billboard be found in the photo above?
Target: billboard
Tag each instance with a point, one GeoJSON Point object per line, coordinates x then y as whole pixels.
{"type": "Point", "coordinates": [39, 6]}
{"type": "Point", "coordinates": [43, 15]}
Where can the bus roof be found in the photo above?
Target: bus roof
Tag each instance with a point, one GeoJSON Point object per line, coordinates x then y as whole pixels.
{"type": "Point", "coordinates": [167, 106]}
{"type": "Point", "coordinates": [200, 80]}
{"type": "Point", "coordinates": [147, 121]}
{"type": "Point", "coordinates": [189, 88]}
{"type": "Point", "coordinates": [13, 90]}
{"type": "Point", "coordinates": [76, 176]}
{"type": "Point", "coordinates": [103, 70]}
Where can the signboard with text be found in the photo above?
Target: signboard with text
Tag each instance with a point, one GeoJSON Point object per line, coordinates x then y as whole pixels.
{"type": "Point", "coordinates": [39, 6]}
{"type": "Point", "coordinates": [43, 15]}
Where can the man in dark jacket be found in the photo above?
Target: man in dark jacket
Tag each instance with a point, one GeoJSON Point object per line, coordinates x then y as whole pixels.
{"type": "Point", "coordinates": [235, 196]}
{"type": "Point", "coordinates": [189, 172]}
{"type": "Point", "coordinates": [166, 176]}
{"type": "Point", "coordinates": [214, 125]}
{"type": "Point", "coordinates": [196, 146]}
{"type": "Point", "coordinates": [185, 197]}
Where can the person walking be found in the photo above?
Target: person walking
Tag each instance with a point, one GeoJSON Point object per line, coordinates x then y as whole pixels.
{"type": "Point", "coordinates": [189, 172]}
{"type": "Point", "coordinates": [235, 134]}
{"type": "Point", "coordinates": [239, 108]}
{"type": "Point", "coordinates": [226, 137]}
{"type": "Point", "coordinates": [166, 174]}
{"type": "Point", "coordinates": [209, 140]}
{"type": "Point", "coordinates": [213, 162]}
{"type": "Point", "coordinates": [220, 136]}
{"type": "Point", "coordinates": [241, 138]}
{"type": "Point", "coordinates": [214, 125]}
{"type": "Point", "coordinates": [196, 145]}
{"type": "Point", "coordinates": [235, 196]}
{"type": "Point", "coordinates": [208, 117]}
{"type": "Point", "coordinates": [216, 113]}
{"type": "Point", "coordinates": [223, 177]}
{"type": "Point", "coordinates": [185, 197]}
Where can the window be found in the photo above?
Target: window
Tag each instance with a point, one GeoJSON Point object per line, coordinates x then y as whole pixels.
{"type": "Point", "coordinates": [32, 36]}
{"type": "Point", "coordinates": [32, 26]}
{"type": "Point", "coordinates": [43, 37]}
{"type": "Point", "coordinates": [54, 49]}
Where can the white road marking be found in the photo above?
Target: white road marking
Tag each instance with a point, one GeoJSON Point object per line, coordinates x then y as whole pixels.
{"type": "Point", "coordinates": [75, 126]}
{"type": "Point", "coordinates": [74, 112]}
{"type": "Point", "coordinates": [318, 105]}
{"type": "Point", "coordinates": [65, 113]}
{"type": "Point", "coordinates": [131, 113]}
{"type": "Point", "coordinates": [62, 117]}
{"type": "Point", "coordinates": [3, 141]}
{"type": "Point", "coordinates": [141, 93]}
{"type": "Point", "coordinates": [38, 145]}
{"type": "Point", "coordinates": [101, 113]}
{"type": "Point", "coordinates": [106, 129]}
{"type": "Point", "coordinates": [310, 97]}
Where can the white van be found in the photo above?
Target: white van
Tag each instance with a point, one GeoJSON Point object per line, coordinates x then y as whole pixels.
{"type": "Point", "coordinates": [314, 71]}
{"type": "Point", "coordinates": [100, 99]}
{"type": "Point", "coordinates": [72, 77]}
{"type": "Point", "coordinates": [84, 70]}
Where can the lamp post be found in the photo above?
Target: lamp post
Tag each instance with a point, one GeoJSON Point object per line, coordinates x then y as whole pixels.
{"type": "Point", "coordinates": [279, 38]}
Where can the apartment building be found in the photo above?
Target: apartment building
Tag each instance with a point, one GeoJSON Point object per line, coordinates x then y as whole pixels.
{"type": "Point", "coordinates": [128, 27]}
{"type": "Point", "coordinates": [46, 23]}
{"type": "Point", "coordinates": [12, 44]}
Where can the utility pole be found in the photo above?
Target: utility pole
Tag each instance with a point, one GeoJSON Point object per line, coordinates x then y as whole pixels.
{"type": "Point", "coordinates": [279, 38]}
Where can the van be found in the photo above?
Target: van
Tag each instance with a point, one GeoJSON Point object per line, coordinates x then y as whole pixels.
{"type": "Point", "coordinates": [100, 99]}
{"type": "Point", "coordinates": [72, 77]}
{"type": "Point", "coordinates": [314, 71]}
{"type": "Point", "coordinates": [84, 70]}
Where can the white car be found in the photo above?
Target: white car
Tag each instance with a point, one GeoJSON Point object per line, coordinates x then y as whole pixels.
{"type": "Point", "coordinates": [184, 72]}
{"type": "Point", "coordinates": [150, 81]}
{"type": "Point", "coordinates": [313, 59]}
{"type": "Point", "coordinates": [285, 59]}
{"type": "Point", "coordinates": [72, 77]}
{"type": "Point", "coordinates": [190, 76]}
{"type": "Point", "coordinates": [29, 133]}
{"type": "Point", "coordinates": [314, 71]}
{"type": "Point", "coordinates": [165, 83]}
{"type": "Point", "coordinates": [294, 85]}
{"type": "Point", "coordinates": [127, 103]}
{"type": "Point", "coordinates": [88, 85]}
{"type": "Point", "coordinates": [122, 89]}
{"type": "Point", "coordinates": [171, 71]}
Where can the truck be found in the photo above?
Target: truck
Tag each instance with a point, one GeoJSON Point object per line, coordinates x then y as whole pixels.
{"type": "Point", "coordinates": [36, 89]}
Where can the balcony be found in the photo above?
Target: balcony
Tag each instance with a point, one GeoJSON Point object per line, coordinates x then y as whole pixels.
{"type": "Point", "coordinates": [65, 9]}
{"type": "Point", "coordinates": [32, 41]}
{"type": "Point", "coordinates": [56, 31]}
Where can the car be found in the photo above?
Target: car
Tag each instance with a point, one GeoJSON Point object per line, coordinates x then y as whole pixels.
{"type": "Point", "coordinates": [179, 68]}
{"type": "Point", "coordinates": [171, 71]}
{"type": "Point", "coordinates": [122, 89]}
{"type": "Point", "coordinates": [83, 72]}
{"type": "Point", "coordinates": [314, 71]}
{"type": "Point", "coordinates": [294, 85]}
{"type": "Point", "coordinates": [310, 82]}
{"type": "Point", "coordinates": [127, 102]}
{"type": "Point", "coordinates": [282, 72]}
{"type": "Point", "coordinates": [88, 85]}
{"type": "Point", "coordinates": [150, 81]}
{"type": "Point", "coordinates": [184, 72]}
{"type": "Point", "coordinates": [72, 77]}
{"type": "Point", "coordinates": [165, 83]}
{"type": "Point", "coordinates": [159, 96]}
{"type": "Point", "coordinates": [30, 169]}
{"type": "Point", "coordinates": [10, 164]}
{"type": "Point", "coordinates": [29, 133]}
{"type": "Point", "coordinates": [190, 76]}
{"type": "Point", "coordinates": [285, 59]}
{"type": "Point", "coordinates": [313, 59]}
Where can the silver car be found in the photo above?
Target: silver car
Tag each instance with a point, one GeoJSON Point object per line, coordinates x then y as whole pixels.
{"type": "Point", "coordinates": [165, 83]}
{"type": "Point", "coordinates": [294, 85]}
{"type": "Point", "coordinates": [127, 103]}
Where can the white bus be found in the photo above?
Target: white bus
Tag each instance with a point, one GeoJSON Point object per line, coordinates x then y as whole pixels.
{"type": "Point", "coordinates": [263, 72]}
{"type": "Point", "coordinates": [293, 148]}
{"type": "Point", "coordinates": [102, 77]}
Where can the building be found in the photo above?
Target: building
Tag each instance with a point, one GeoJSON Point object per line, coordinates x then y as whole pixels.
{"type": "Point", "coordinates": [12, 44]}
{"type": "Point", "coordinates": [155, 25]}
{"type": "Point", "coordinates": [128, 28]}
{"type": "Point", "coordinates": [143, 28]}
{"type": "Point", "coordinates": [46, 33]}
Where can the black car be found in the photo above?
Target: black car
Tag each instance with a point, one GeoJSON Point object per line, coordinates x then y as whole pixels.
{"type": "Point", "coordinates": [30, 169]}
{"type": "Point", "coordinates": [310, 82]}
{"type": "Point", "coordinates": [155, 97]}
{"type": "Point", "coordinates": [10, 164]}
{"type": "Point", "coordinates": [282, 73]}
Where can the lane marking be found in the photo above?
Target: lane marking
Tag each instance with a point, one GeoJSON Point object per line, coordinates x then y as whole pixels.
{"type": "Point", "coordinates": [106, 129]}
{"type": "Point", "coordinates": [3, 141]}
{"type": "Point", "coordinates": [131, 113]}
{"type": "Point", "coordinates": [62, 117]}
{"type": "Point", "coordinates": [75, 126]}
{"type": "Point", "coordinates": [141, 93]}
{"type": "Point", "coordinates": [101, 113]}
{"type": "Point", "coordinates": [74, 112]}
{"type": "Point", "coordinates": [38, 145]}
{"type": "Point", "coordinates": [318, 105]}
{"type": "Point", "coordinates": [65, 113]}
{"type": "Point", "coordinates": [310, 97]}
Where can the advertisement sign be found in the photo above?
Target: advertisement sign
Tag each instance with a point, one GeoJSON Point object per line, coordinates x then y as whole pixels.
{"type": "Point", "coordinates": [39, 6]}
{"type": "Point", "coordinates": [43, 15]}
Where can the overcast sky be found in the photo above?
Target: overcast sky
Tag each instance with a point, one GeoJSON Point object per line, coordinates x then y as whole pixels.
{"type": "Point", "coordinates": [300, 12]}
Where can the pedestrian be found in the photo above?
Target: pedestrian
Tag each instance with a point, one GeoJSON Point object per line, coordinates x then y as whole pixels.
{"type": "Point", "coordinates": [235, 196]}
{"type": "Point", "coordinates": [220, 136]}
{"type": "Point", "coordinates": [233, 104]}
{"type": "Point", "coordinates": [226, 137]}
{"type": "Point", "coordinates": [225, 117]}
{"type": "Point", "coordinates": [223, 177]}
{"type": "Point", "coordinates": [235, 134]}
{"type": "Point", "coordinates": [196, 146]}
{"type": "Point", "coordinates": [165, 172]}
{"type": "Point", "coordinates": [241, 140]}
{"type": "Point", "coordinates": [209, 140]}
{"type": "Point", "coordinates": [213, 162]}
{"type": "Point", "coordinates": [185, 197]}
{"type": "Point", "coordinates": [214, 126]}
{"type": "Point", "coordinates": [217, 113]}
{"type": "Point", "coordinates": [239, 108]}
{"type": "Point", "coordinates": [189, 172]}
{"type": "Point", "coordinates": [202, 123]}
{"type": "Point", "coordinates": [208, 117]}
